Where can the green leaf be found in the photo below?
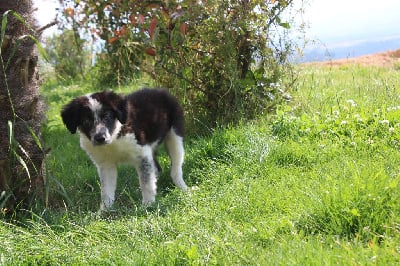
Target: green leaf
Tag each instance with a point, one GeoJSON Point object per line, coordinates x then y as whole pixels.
{"type": "Point", "coordinates": [285, 25]}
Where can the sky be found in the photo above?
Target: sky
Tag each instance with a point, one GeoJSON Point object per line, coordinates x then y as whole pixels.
{"type": "Point", "coordinates": [46, 12]}
{"type": "Point", "coordinates": [329, 21]}
{"type": "Point", "coordinates": [341, 20]}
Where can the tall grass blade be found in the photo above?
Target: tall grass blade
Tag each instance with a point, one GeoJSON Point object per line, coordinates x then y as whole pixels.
{"type": "Point", "coordinates": [24, 165]}
{"type": "Point", "coordinates": [4, 196]}
{"type": "Point", "coordinates": [3, 27]}
{"type": "Point", "coordinates": [40, 48]}
{"type": "Point", "coordinates": [17, 44]}
{"type": "Point", "coordinates": [19, 40]}
{"type": "Point", "coordinates": [62, 190]}
{"type": "Point", "coordinates": [35, 137]}
{"type": "Point", "coordinates": [15, 47]}
{"type": "Point", "coordinates": [17, 16]}
{"type": "Point", "coordinates": [10, 133]}
{"type": "Point", "coordinates": [13, 144]}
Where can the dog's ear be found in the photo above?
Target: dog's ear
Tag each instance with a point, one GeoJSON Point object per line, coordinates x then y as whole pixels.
{"type": "Point", "coordinates": [122, 112]}
{"type": "Point", "coordinates": [118, 104]}
{"type": "Point", "coordinates": [70, 115]}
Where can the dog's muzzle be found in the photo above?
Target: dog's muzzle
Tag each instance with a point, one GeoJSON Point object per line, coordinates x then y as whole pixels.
{"type": "Point", "coordinates": [100, 137]}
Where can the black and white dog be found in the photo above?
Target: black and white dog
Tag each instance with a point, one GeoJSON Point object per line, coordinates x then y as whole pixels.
{"type": "Point", "coordinates": [117, 129]}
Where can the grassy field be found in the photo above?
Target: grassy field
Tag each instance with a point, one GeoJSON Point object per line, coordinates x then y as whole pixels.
{"type": "Point", "coordinates": [317, 183]}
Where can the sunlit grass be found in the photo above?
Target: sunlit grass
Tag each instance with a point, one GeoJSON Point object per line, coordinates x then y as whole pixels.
{"type": "Point", "coordinates": [315, 184]}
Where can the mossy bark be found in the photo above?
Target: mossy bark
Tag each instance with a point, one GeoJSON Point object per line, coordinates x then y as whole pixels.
{"type": "Point", "coordinates": [21, 110]}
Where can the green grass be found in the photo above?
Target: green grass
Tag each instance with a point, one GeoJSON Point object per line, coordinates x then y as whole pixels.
{"type": "Point", "coordinates": [316, 184]}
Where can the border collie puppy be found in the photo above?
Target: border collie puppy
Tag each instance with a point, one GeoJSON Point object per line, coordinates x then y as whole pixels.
{"type": "Point", "coordinates": [115, 129]}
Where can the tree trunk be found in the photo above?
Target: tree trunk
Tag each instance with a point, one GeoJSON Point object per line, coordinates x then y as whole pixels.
{"type": "Point", "coordinates": [21, 111]}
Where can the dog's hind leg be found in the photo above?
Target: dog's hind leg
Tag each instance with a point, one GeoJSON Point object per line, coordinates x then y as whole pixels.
{"type": "Point", "coordinates": [147, 178]}
{"type": "Point", "coordinates": [174, 145]}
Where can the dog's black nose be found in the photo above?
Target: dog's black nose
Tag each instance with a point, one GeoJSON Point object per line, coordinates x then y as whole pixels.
{"type": "Point", "coordinates": [100, 138]}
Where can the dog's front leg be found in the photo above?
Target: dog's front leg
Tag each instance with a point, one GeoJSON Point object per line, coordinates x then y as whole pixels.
{"type": "Point", "coordinates": [148, 180]}
{"type": "Point", "coordinates": [108, 180]}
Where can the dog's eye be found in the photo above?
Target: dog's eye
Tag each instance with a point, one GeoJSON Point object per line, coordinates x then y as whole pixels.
{"type": "Point", "coordinates": [86, 122]}
{"type": "Point", "coordinates": [107, 116]}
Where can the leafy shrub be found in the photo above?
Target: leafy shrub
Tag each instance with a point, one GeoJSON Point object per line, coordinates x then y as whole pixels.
{"type": "Point", "coordinates": [68, 55]}
{"type": "Point", "coordinates": [222, 58]}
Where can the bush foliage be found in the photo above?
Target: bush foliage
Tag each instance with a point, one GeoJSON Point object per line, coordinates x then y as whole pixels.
{"type": "Point", "coordinates": [219, 57]}
{"type": "Point", "coordinates": [68, 55]}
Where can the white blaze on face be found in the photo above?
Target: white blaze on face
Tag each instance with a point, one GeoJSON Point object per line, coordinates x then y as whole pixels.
{"type": "Point", "coordinates": [94, 104]}
{"type": "Point", "coordinates": [98, 125]}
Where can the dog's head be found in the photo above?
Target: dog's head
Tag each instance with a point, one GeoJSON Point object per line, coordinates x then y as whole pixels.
{"type": "Point", "coordinates": [96, 115]}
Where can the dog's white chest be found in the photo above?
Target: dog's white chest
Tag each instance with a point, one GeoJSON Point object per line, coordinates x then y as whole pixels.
{"type": "Point", "coordinates": [122, 150]}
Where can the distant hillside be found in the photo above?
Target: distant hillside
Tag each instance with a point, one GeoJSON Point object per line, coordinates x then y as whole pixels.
{"type": "Point", "coordinates": [384, 59]}
{"type": "Point", "coordinates": [350, 49]}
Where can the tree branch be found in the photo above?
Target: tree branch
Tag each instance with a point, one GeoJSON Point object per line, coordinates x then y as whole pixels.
{"type": "Point", "coordinates": [48, 25]}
